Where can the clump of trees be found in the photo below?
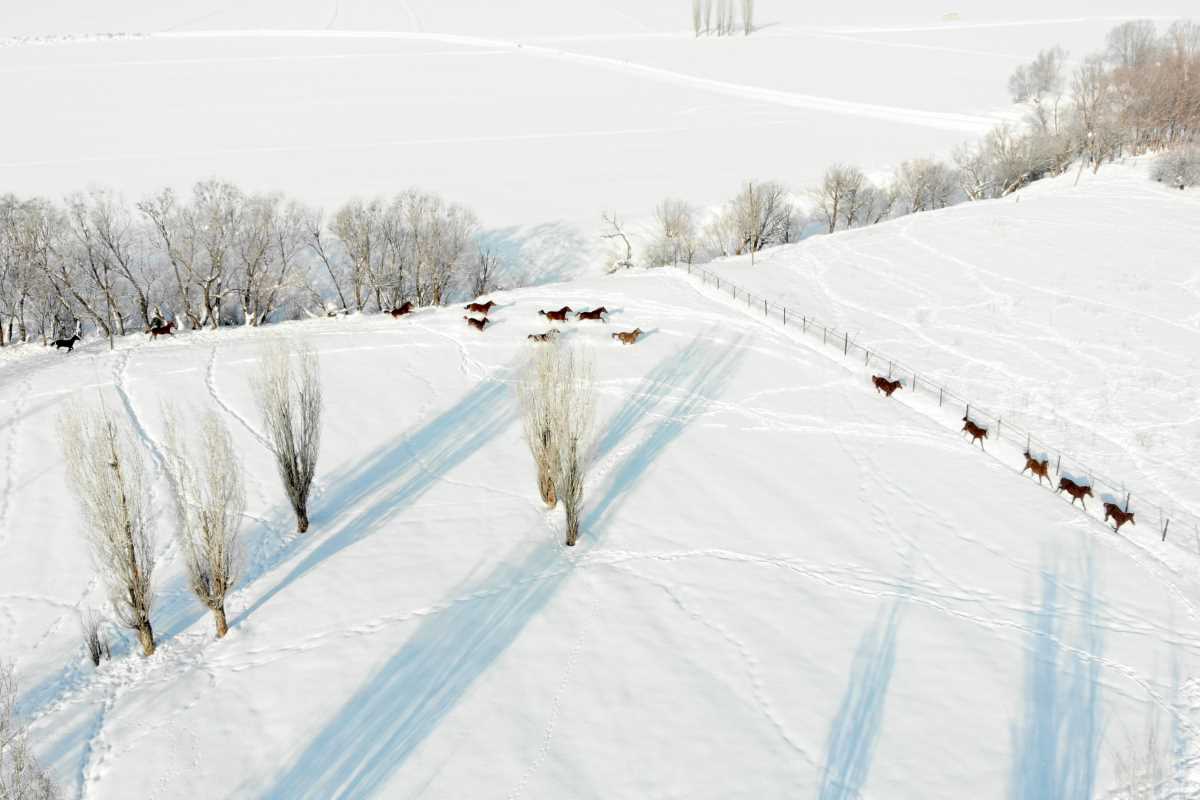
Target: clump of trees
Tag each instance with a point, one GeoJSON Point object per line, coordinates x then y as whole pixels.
{"type": "Point", "coordinates": [721, 18]}
{"type": "Point", "coordinates": [556, 395]}
{"type": "Point", "coordinates": [107, 473]}
{"type": "Point", "coordinates": [222, 256]}
{"type": "Point", "coordinates": [95, 642]}
{"type": "Point", "coordinates": [209, 501]}
{"type": "Point", "coordinates": [289, 398]}
{"type": "Point", "coordinates": [21, 776]}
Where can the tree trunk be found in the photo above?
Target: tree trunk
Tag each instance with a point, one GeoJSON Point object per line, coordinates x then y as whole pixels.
{"type": "Point", "coordinates": [219, 618]}
{"type": "Point", "coordinates": [146, 637]}
{"type": "Point", "coordinates": [302, 519]}
{"type": "Point", "coordinates": [572, 530]}
{"type": "Point", "coordinates": [546, 486]}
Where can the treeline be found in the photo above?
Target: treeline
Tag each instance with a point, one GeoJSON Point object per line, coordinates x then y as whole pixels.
{"type": "Point", "coordinates": [1140, 94]}
{"type": "Point", "coordinates": [222, 256]}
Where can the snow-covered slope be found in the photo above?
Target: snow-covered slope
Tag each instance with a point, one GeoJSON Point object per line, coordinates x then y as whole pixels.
{"type": "Point", "coordinates": [1071, 310]}
{"type": "Point", "coordinates": [787, 585]}
{"type": "Point", "coordinates": [530, 112]}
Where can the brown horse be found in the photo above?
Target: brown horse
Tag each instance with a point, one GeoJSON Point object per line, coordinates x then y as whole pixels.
{"type": "Point", "coordinates": [1074, 489]}
{"type": "Point", "coordinates": [884, 385]}
{"type": "Point", "coordinates": [162, 330]}
{"type": "Point", "coordinates": [595, 313]}
{"type": "Point", "coordinates": [543, 337]}
{"type": "Point", "coordinates": [1039, 468]}
{"type": "Point", "coordinates": [480, 308]}
{"type": "Point", "coordinates": [477, 324]}
{"type": "Point", "coordinates": [978, 433]}
{"type": "Point", "coordinates": [628, 337]}
{"type": "Point", "coordinates": [1119, 517]}
{"type": "Point", "coordinates": [557, 316]}
{"type": "Point", "coordinates": [404, 308]}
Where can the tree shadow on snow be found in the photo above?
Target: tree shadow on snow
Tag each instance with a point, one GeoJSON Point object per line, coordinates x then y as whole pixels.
{"type": "Point", "coordinates": [850, 747]}
{"type": "Point", "coordinates": [413, 464]}
{"type": "Point", "coordinates": [372, 736]}
{"type": "Point", "coordinates": [1056, 744]}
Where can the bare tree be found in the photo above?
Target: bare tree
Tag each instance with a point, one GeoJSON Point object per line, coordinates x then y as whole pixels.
{"type": "Point", "coordinates": [483, 278]}
{"type": "Point", "coordinates": [748, 16]}
{"type": "Point", "coordinates": [617, 231]}
{"type": "Point", "coordinates": [209, 501]}
{"type": "Point", "coordinates": [675, 237]}
{"type": "Point", "coordinates": [696, 17]}
{"type": "Point", "coordinates": [94, 641]}
{"type": "Point", "coordinates": [572, 409]}
{"type": "Point", "coordinates": [536, 390]}
{"type": "Point", "coordinates": [924, 185]}
{"type": "Point", "coordinates": [289, 397]}
{"type": "Point", "coordinates": [21, 776]}
{"type": "Point", "coordinates": [839, 182]}
{"type": "Point", "coordinates": [107, 473]}
{"type": "Point", "coordinates": [763, 214]}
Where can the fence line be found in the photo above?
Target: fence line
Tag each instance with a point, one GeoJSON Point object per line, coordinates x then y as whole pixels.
{"type": "Point", "coordinates": [1169, 519]}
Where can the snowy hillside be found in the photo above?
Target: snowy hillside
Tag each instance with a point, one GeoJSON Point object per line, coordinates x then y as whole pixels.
{"type": "Point", "coordinates": [1071, 310]}
{"type": "Point", "coordinates": [529, 113]}
{"type": "Point", "coordinates": [787, 584]}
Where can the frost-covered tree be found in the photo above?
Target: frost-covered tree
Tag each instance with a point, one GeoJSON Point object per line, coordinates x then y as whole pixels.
{"type": "Point", "coordinates": [289, 398]}
{"type": "Point", "coordinates": [1179, 168]}
{"type": "Point", "coordinates": [21, 776]}
{"type": "Point", "coordinates": [107, 473]}
{"type": "Point", "coordinates": [536, 391]}
{"type": "Point", "coordinates": [675, 238]}
{"type": "Point", "coordinates": [572, 409]}
{"type": "Point", "coordinates": [209, 501]}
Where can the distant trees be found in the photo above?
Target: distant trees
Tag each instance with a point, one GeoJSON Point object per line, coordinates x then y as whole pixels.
{"type": "Point", "coordinates": [719, 17]}
{"type": "Point", "coordinates": [209, 501]}
{"type": "Point", "coordinates": [21, 776]}
{"type": "Point", "coordinates": [289, 398]}
{"type": "Point", "coordinates": [675, 237]}
{"type": "Point", "coordinates": [106, 471]}
{"type": "Point", "coordinates": [220, 256]}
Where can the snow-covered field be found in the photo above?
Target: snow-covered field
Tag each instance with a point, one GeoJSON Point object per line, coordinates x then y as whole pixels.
{"type": "Point", "coordinates": [1073, 311]}
{"type": "Point", "coordinates": [531, 113]}
{"type": "Point", "coordinates": [787, 584]}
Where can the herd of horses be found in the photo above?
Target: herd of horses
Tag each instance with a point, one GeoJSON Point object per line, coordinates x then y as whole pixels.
{"type": "Point", "coordinates": [1035, 467]}
{"type": "Point", "coordinates": [561, 315]}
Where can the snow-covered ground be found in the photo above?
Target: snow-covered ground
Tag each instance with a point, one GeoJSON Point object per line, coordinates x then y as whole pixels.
{"type": "Point", "coordinates": [787, 584]}
{"type": "Point", "coordinates": [1073, 311]}
{"type": "Point", "coordinates": [531, 113]}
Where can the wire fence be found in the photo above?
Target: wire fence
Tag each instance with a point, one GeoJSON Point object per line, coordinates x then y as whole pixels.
{"type": "Point", "coordinates": [1164, 514]}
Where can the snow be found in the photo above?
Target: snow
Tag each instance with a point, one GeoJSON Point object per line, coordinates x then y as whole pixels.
{"type": "Point", "coordinates": [500, 107]}
{"type": "Point", "coordinates": [786, 582]}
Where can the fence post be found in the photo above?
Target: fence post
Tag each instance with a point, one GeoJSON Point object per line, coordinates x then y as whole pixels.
{"type": "Point", "coordinates": [718, 277]}
{"type": "Point", "coordinates": [914, 382]}
{"type": "Point", "coordinates": [825, 337]}
{"type": "Point", "coordinates": [968, 414]}
{"type": "Point", "coordinates": [765, 314]}
{"type": "Point", "coordinates": [939, 397]}
{"type": "Point", "coordinates": [890, 371]}
{"type": "Point", "coordinates": [999, 424]}
{"type": "Point", "coordinates": [846, 347]}
{"type": "Point", "coordinates": [1167, 525]}
{"type": "Point", "coordinates": [1028, 439]}
{"type": "Point", "coordinates": [1127, 502]}
{"type": "Point", "coordinates": [867, 360]}
{"type": "Point", "coordinates": [1058, 465]}
{"type": "Point", "coordinates": [785, 315]}
{"type": "Point", "coordinates": [733, 288]}
{"type": "Point", "coordinates": [803, 324]}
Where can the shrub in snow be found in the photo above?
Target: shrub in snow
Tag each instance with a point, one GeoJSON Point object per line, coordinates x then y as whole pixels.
{"type": "Point", "coordinates": [1179, 168]}
{"type": "Point", "coordinates": [94, 640]}
{"type": "Point", "coordinates": [289, 397]}
{"type": "Point", "coordinates": [209, 500]}
{"type": "Point", "coordinates": [108, 475]}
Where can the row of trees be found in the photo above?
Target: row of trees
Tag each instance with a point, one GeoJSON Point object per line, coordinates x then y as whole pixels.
{"type": "Point", "coordinates": [720, 17]}
{"type": "Point", "coordinates": [108, 473]}
{"type": "Point", "coordinates": [222, 256]}
{"type": "Point", "coordinates": [1141, 93]}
